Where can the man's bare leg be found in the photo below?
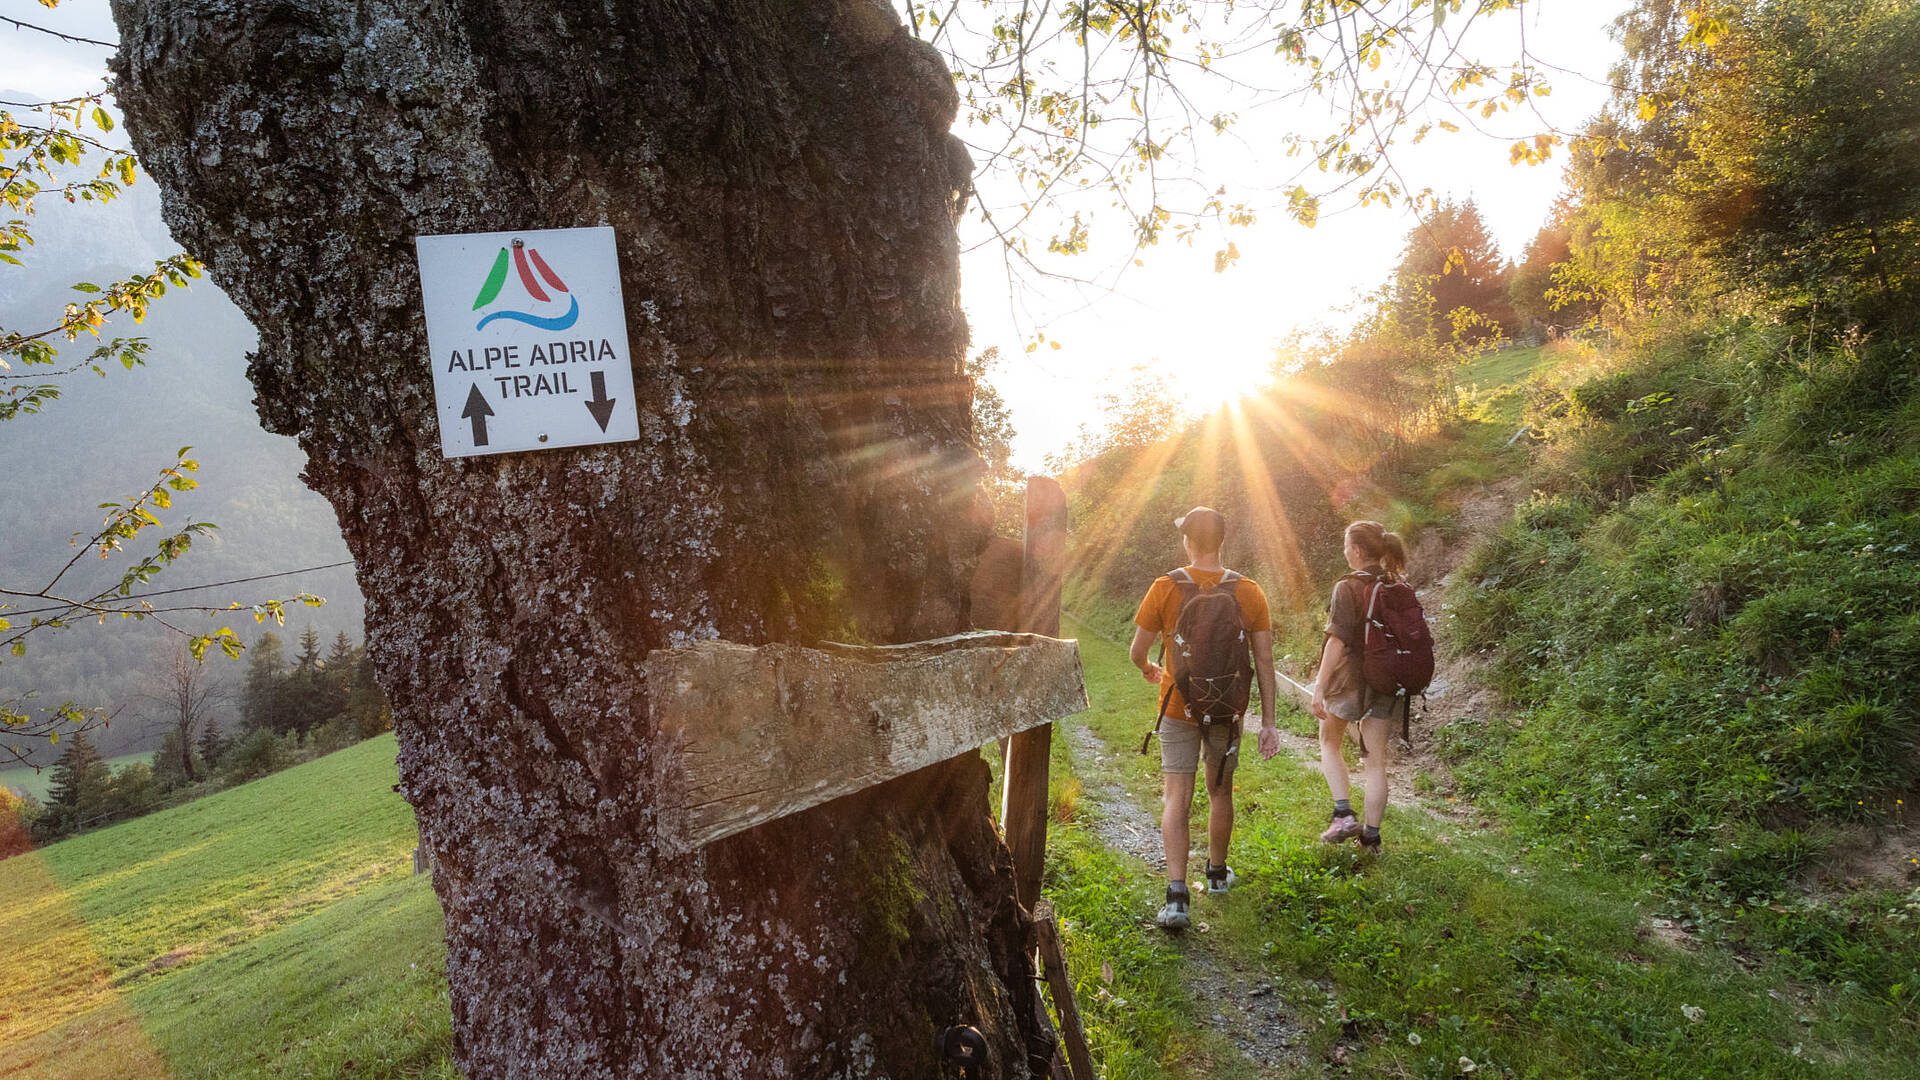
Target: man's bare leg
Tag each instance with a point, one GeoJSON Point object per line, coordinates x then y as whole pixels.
{"type": "Point", "coordinates": [1219, 819]}
{"type": "Point", "coordinates": [1174, 833]}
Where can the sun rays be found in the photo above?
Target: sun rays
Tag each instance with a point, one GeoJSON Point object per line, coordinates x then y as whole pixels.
{"type": "Point", "coordinates": [1278, 464]}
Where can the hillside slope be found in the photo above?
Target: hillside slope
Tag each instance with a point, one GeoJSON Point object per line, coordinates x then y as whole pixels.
{"type": "Point", "coordinates": [274, 929]}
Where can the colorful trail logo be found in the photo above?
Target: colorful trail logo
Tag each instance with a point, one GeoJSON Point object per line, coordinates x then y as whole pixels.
{"type": "Point", "coordinates": [497, 278]}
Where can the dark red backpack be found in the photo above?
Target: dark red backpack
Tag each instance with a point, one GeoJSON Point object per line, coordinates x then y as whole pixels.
{"type": "Point", "coordinates": [1398, 655]}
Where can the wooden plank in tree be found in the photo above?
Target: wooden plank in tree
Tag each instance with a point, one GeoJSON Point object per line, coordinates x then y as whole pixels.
{"type": "Point", "coordinates": [1053, 959]}
{"type": "Point", "coordinates": [1023, 807]}
{"type": "Point", "coordinates": [750, 734]}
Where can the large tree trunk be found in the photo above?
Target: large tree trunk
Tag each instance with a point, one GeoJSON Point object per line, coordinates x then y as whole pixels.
{"type": "Point", "coordinates": [783, 188]}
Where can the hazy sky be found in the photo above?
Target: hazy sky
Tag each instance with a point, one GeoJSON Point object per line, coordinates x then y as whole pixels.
{"type": "Point", "coordinates": [1213, 332]}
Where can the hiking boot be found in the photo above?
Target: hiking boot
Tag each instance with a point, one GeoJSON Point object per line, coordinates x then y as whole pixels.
{"type": "Point", "coordinates": [1369, 845]}
{"type": "Point", "coordinates": [1220, 879]}
{"type": "Point", "coordinates": [1344, 827]}
{"type": "Point", "coordinates": [1174, 913]}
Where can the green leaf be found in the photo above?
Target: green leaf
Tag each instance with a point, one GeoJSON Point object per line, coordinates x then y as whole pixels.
{"type": "Point", "coordinates": [101, 120]}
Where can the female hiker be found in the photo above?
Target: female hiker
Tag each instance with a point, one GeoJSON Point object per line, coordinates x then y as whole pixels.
{"type": "Point", "coordinates": [1342, 696]}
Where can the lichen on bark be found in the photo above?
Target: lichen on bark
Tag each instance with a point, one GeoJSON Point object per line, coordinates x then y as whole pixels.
{"type": "Point", "coordinates": [783, 190]}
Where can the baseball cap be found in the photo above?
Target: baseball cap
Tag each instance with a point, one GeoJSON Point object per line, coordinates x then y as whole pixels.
{"type": "Point", "coordinates": [1204, 525]}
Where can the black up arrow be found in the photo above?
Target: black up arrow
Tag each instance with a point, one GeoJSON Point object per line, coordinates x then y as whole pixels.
{"type": "Point", "coordinates": [600, 405]}
{"type": "Point", "coordinates": [477, 410]}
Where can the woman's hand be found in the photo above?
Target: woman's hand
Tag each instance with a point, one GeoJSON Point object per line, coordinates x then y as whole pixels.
{"type": "Point", "coordinates": [1319, 705]}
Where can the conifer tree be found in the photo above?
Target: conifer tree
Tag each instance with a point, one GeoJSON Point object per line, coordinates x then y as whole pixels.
{"type": "Point", "coordinates": [1452, 264]}
{"type": "Point", "coordinates": [81, 779]}
{"type": "Point", "coordinates": [309, 659]}
{"type": "Point", "coordinates": [264, 697]}
{"type": "Point", "coordinates": [212, 744]}
{"type": "Point", "coordinates": [336, 677]}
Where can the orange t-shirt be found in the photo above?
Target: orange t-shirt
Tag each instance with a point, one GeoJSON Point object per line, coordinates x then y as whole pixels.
{"type": "Point", "coordinates": [1161, 609]}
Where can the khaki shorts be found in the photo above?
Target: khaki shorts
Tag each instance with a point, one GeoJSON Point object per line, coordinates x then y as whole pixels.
{"type": "Point", "coordinates": [1352, 698]}
{"type": "Point", "coordinates": [1180, 748]}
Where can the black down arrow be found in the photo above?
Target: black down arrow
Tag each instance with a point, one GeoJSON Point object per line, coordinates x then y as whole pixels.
{"type": "Point", "coordinates": [600, 405]}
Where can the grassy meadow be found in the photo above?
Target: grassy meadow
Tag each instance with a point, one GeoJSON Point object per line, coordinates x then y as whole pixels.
{"type": "Point", "coordinates": [274, 929]}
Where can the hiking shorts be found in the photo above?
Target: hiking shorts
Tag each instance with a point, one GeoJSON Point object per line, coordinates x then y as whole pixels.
{"type": "Point", "coordinates": [1180, 748]}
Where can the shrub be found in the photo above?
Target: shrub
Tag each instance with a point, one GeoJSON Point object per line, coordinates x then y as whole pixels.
{"type": "Point", "coordinates": [257, 755]}
{"type": "Point", "coordinates": [337, 733]}
{"type": "Point", "coordinates": [17, 815]}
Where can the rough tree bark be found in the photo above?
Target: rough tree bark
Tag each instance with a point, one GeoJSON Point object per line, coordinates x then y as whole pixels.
{"type": "Point", "coordinates": [784, 190]}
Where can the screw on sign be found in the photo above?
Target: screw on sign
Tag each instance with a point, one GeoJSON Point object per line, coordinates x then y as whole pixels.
{"type": "Point", "coordinates": [543, 364]}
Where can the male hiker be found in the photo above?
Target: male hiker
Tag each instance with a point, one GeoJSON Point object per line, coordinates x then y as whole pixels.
{"type": "Point", "coordinates": [1211, 618]}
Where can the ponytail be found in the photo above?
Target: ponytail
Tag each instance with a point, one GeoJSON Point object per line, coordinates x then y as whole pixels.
{"type": "Point", "coordinates": [1376, 543]}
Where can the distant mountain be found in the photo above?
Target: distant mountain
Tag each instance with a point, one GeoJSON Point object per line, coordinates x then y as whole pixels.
{"type": "Point", "coordinates": [107, 438]}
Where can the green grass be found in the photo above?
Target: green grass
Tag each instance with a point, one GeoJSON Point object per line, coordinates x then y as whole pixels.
{"type": "Point", "coordinates": [1504, 367]}
{"type": "Point", "coordinates": [1707, 618]}
{"type": "Point", "coordinates": [271, 929]}
{"type": "Point", "coordinates": [1462, 942]}
{"type": "Point", "coordinates": [25, 781]}
{"type": "Point", "coordinates": [1421, 485]}
{"type": "Point", "coordinates": [359, 988]}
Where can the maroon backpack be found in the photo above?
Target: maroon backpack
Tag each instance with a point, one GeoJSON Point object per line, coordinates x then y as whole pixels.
{"type": "Point", "coordinates": [1398, 655]}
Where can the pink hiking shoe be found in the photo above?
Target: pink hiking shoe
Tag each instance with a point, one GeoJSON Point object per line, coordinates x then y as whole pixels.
{"type": "Point", "coordinates": [1344, 827]}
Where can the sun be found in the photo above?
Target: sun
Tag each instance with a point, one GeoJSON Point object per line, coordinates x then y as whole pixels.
{"type": "Point", "coordinates": [1222, 365]}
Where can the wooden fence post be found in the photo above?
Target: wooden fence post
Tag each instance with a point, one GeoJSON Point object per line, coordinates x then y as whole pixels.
{"type": "Point", "coordinates": [1053, 960]}
{"type": "Point", "coordinates": [1023, 807]}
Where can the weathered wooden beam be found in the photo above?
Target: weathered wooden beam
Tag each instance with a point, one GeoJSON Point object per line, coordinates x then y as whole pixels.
{"type": "Point", "coordinates": [750, 734]}
{"type": "Point", "coordinates": [1023, 808]}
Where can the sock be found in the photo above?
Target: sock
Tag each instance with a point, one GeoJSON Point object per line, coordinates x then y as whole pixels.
{"type": "Point", "coordinates": [1176, 889]}
{"type": "Point", "coordinates": [1216, 871]}
{"type": "Point", "coordinates": [1343, 808]}
{"type": "Point", "coordinates": [1371, 832]}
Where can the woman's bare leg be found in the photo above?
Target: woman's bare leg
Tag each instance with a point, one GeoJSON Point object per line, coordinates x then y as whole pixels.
{"type": "Point", "coordinates": [1333, 765]}
{"type": "Point", "coordinates": [1374, 731]}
